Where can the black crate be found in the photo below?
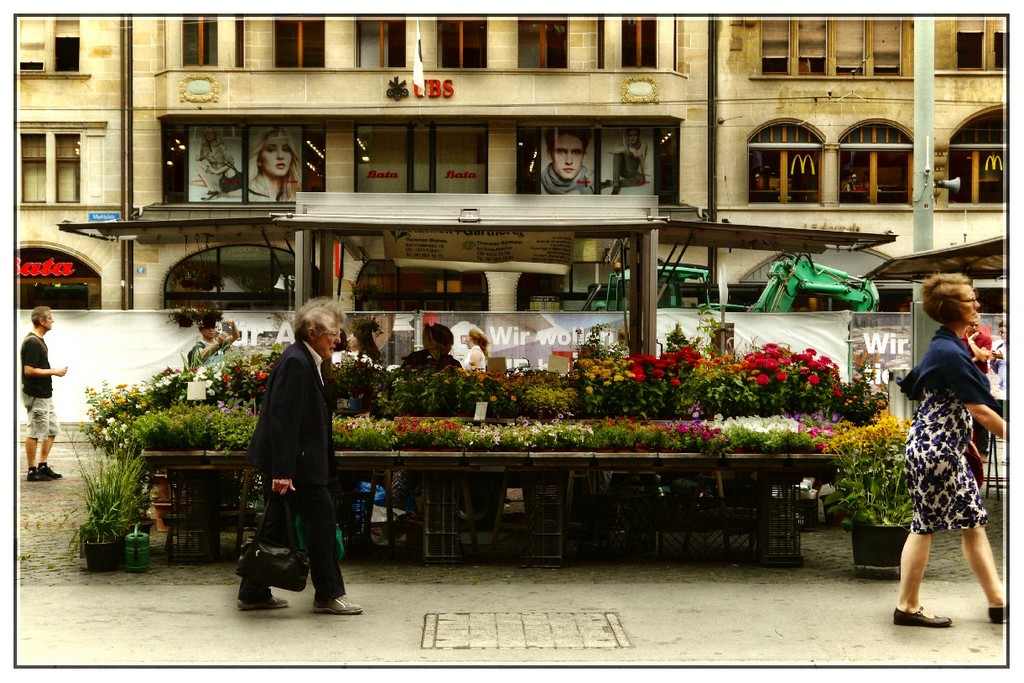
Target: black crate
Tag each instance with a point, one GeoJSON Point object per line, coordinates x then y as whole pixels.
{"type": "Point", "coordinates": [707, 528]}
{"type": "Point", "coordinates": [194, 534]}
{"type": "Point", "coordinates": [618, 523]}
{"type": "Point", "coordinates": [544, 501]}
{"type": "Point", "coordinates": [442, 526]}
{"type": "Point", "coordinates": [779, 514]}
{"type": "Point", "coordinates": [354, 511]}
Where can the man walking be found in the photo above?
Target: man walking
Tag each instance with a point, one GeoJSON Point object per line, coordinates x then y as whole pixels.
{"type": "Point", "coordinates": [37, 395]}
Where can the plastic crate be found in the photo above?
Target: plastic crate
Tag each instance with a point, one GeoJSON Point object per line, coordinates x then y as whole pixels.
{"type": "Point", "coordinates": [194, 534]}
{"type": "Point", "coordinates": [544, 500]}
{"type": "Point", "coordinates": [442, 526]}
{"type": "Point", "coordinates": [707, 528]}
{"type": "Point", "coordinates": [618, 523]}
{"type": "Point", "coordinates": [779, 516]}
{"type": "Point", "coordinates": [354, 511]}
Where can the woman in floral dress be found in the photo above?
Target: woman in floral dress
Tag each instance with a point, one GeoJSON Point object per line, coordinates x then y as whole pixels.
{"type": "Point", "coordinates": [951, 391]}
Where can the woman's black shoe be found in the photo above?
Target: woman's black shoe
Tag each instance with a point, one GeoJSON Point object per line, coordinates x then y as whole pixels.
{"type": "Point", "coordinates": [901, 618]}
{"type": "Point", "coordinates": [999, 615]}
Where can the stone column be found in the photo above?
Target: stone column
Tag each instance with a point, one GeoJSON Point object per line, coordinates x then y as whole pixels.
{"type": "Point", "coordinates": [501, 291]}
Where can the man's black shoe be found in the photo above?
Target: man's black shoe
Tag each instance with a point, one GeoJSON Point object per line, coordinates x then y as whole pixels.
{"type": "Point", "coordinates": [36, 475]}
{"type": "Point", "coordinates": [45, 469]}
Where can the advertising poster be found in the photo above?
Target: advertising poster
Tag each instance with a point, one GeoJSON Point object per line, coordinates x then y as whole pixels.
{"type": "Point", "coordinates": [275, 163]}
{"type": "Point", "coordinates": [568, 166]}
{"type": "Point", "coordinates": [214, 166]}
{"type": "Point", "coordinates": [627, 166]}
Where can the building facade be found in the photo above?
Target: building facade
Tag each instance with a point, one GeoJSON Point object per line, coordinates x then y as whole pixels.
{"type": "Point", "coordinates": [198, 129]}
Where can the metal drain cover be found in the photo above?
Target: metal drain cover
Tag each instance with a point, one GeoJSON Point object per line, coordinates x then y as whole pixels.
{"type": "Point", "coordinates": [523, 630]}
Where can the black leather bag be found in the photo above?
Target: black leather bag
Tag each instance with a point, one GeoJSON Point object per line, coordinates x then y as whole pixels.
{"type": "Point", "coordinates": [264, 562]}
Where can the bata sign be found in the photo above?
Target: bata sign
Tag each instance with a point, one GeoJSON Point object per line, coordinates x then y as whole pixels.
{"type": "Point", "coordinates": [47, 268]}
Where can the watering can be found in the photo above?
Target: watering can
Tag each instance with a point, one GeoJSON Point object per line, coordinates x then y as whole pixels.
{"type": "Point", "coordinates": [136, 551]}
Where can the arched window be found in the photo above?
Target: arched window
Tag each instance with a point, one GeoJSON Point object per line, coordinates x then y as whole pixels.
{"type": "Point", "coordinates": [875, 162]}
{"type": "Point", "coordinates": [383, 286]}
{"type": "Point", "coordinates": [236, 277]}
{"type": "Point", "coordinates": [977, 155]}
{"type": "Point", "coordinates": [784, 162]}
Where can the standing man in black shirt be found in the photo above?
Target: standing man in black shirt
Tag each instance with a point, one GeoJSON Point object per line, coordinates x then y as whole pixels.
{"type": "Point", "coordinates": [37, 394]}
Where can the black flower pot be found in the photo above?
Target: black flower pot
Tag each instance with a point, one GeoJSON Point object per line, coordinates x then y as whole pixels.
{"type": "Point", "coordinates": [877, 550]}
{"type": "Point", "coordinates": [104, 556]}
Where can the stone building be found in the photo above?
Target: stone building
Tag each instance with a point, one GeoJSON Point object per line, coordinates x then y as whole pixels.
{"type": "Point", "coordinates": [155, 149]}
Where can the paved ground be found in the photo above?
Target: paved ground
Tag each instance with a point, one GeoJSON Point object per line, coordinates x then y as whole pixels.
{"type": "Point", "coordinates": [489, 609]}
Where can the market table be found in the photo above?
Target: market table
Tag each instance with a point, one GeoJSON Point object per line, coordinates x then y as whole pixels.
{"type": "Point", "coordinates": [549, 480]}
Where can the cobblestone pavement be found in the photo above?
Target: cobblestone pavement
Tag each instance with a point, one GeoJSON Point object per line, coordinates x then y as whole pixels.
{"type": "Point", "coordinates": [47, 517]}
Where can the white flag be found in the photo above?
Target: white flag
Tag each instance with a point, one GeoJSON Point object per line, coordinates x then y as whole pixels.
{"type": "Point", "coordinates": [419, 86]}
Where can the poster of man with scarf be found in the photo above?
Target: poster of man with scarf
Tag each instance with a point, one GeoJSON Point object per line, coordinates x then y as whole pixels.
{"type": "Point", "coordinates": [569, 161]}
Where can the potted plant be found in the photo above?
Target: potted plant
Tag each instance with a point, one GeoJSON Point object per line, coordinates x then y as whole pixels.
{"type": "Point", "coordinates": [114, 489]}
{"type": "Point", "coordinates": [870, 488]}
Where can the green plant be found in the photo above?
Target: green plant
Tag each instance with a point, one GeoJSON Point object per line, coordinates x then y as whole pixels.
{"type": "Point", "coordinates": [870, 484]}
{"type": "Point", "coordinates": [114, 490]}
{"type": "Point", "coordinates": [427, 433]}
{"type": "Point", "coordinates": [180, 426]}
{"type": "Point", "coordinates": [547, 400]}
{"type": "Point", "coordinates": [112, 412]}
{"type": "Point", "coordinates": [363, 434]}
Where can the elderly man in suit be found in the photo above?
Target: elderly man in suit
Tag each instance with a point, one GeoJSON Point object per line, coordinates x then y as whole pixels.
{"type": "Point", "coordinates": [291, 446]}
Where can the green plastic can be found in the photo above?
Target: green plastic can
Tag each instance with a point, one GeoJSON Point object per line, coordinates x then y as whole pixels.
{"type": "Point", "coordinates": [136, 551]}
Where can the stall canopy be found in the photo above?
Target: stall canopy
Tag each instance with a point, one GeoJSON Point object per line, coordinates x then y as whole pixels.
{"type": "Point", "coordinates": [984, 260]}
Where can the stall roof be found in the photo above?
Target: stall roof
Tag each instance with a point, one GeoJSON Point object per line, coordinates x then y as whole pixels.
{"type": "Point", "coordinates": [981, 260]}
{"type": "Point", "coordinates": [369, 214]}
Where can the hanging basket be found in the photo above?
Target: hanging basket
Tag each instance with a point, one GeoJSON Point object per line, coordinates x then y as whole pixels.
{"type": "Point", "coordinates": [183, 320]}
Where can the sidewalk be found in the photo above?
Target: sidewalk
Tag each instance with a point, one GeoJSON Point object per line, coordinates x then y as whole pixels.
{"type": "Point", "coordinates": [489, 610]}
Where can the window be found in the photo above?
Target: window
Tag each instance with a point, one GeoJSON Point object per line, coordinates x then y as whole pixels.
{"type": "Point", "coordinates": [842, 46]}
{"type": "Point", "coordinates": [229, 164]}
{"type": "Point", "coordinates": [628, 160]}
{"type": "Point", "coordinates": [443, 159]}
{"type": "Point", "coordinates": [381, 43]}
{"type": "Point", "coordinates": [66, 45]}
{"type": "Point", "coordinates": [977, 155]}
{"type": "Point", "coordinates": [199, 38]}
{"type": "Point", "coordinates": [784, 160]}
{"type": "Point", "coordinates": [298, 43]}
{"type": "Point", "coordinates": [69, 168]}
{"type": "Point", "coordinates": [811, 46]}
{"type": "Point", "coordinates": [463, 44]}
{"type": "Point", "coordinates": [543, 44]}
{"type": "Point", "coordinates": [253, 276]}
{"type": "Point", "coordinates": [33, 168]}
{"type": "Point", "coordinates": [423, 289]}
{"type": "Point", "coordinates": [240, 41]}
{"type": "Point", "coordinates": [875, 162]}
{"type": "Point", "coordinates": [639, 42]}
{"type": "Point", "coordinates": [775, 46]}
{"type": "Point", "coordinates": [976, 39]}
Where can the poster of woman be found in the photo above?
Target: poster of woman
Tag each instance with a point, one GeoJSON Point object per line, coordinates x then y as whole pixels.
{"type": "Point", "coordinates": [626, 164]}
{"type": "Point", "coordinates": [275, 163]}
{"type": "Point", "coordinates": [569, 161]}
{"type": "Point", "coordinates": [213, 165]}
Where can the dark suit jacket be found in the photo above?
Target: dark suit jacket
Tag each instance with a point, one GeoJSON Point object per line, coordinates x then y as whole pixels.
{"type": "Point", "coordinates": [292, 439]}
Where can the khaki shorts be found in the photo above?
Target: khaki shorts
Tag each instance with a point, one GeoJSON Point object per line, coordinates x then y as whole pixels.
{"type": "Point", "coordinates": [42, 418]}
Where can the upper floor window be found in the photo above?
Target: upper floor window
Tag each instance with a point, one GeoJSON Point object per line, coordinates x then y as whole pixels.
{"type": "Point", "coordinates": [784, 161]}
{"type": "Point", "coordinates": [66, 45]}
{"type": "Point", "coordinates": [543, 43]}
{"type": "Point", "coordinates": [463, 43]}
{"type": "Point", "coordinates": [42, 164]}
{"type": "Point", "coordinates": [199, 41]}
{"type": "Point", "coordinates": [298, 43]}
{"type": "Point", "coordinates": [875, 162]}
{"type": "Point", "coordinates": [980, 43]}
{"type": "Point", "coordinates": [639, 42]}
{"type": "Point", "coordinates": [841, 46]}
{"type": "Point", "coordinates": [381, 43]}
{"type": "Point", "coordinates": [230, 164]}
{"type": "Point", "coordinates": [38, 37]}
{"type": "Point", "coordinates": [442, 159]}
{"type": "Point", "coordinates": [977, 155]}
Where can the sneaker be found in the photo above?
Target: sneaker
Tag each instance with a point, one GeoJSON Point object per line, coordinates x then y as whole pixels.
{"type": "Point", "coordinates": [270, 603]}
{"type": "Point", "coordinates": [45, 469]}
{"type": "Point", "coordinates": [37, 475]}
{"type": "Point", "coordinates": [338, 605]}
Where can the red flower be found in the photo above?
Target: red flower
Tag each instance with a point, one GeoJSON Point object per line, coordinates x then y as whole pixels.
{"type": "Point", "coordinates": [814, 380]}
{"type": "Point", "coordinates": [675, 381]}
{"type": "Point", "coordinates": [762, 379]}
{"type": "Point", "coordinates": [781, 376]}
